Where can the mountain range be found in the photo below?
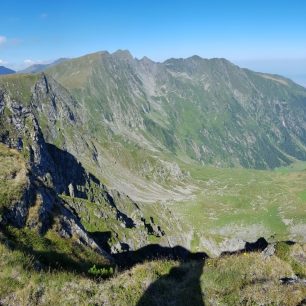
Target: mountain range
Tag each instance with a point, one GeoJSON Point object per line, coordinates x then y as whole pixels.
{"type": "Point", "coordinates": [107, 154]}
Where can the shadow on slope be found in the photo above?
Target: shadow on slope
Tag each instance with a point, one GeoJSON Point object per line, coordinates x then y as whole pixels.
{"type": "Point", "coordinates": [181, 286]}
{"type": "Point", "coordinates": [149, 252]}
{"type": "Point", "coordinates": [71, 178]}
{"type": "Point", "coordinates": [60, 254]}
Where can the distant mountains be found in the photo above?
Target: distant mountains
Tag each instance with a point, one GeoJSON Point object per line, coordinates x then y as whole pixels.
{"type": "Point", "coordinates": [4, 70]}
{"type": "Point", "coordinates": [211, 111]}
{"type": "Point", "coordinates": [41, 67]}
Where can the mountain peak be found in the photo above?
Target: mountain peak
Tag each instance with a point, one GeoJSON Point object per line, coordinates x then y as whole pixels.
{"type": "Point", "coordinates": [195, 57]}
{"type": "Point", "coordinates": [146, 59]}
{"type": "Point", "coordinates": [126, 54]}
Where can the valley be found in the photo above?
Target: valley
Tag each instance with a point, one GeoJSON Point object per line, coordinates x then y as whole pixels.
{"type": "Point", "coordinates": [111, 166]}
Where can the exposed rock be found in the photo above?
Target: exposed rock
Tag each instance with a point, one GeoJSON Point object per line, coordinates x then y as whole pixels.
{"type": "Point", "coordinates": [54, 172]}
{"type": "Point", "coordinates": [268, 251]}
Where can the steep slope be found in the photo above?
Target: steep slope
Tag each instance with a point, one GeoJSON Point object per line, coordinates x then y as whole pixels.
{"type": "Point", "coordinates": [58, 187]}
{"type": "Point", "coordinates": [189, 112]}
{"type": "Point", "coordinates": [134, 182]}
{"type": "Point", "coordinates": [4, 70]}
{"type": "Point", "coordinates": [208, 110]}
{"type": "Point", "coordinates": [35, 201]}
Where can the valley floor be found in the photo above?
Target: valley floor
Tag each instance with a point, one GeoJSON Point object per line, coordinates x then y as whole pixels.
{"type": "Point", "coordinates": [235, 205]}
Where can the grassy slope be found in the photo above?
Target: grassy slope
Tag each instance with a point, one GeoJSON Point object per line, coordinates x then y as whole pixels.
{"type": "Point", "coordinates": [50, 248]}
{"type": "Point", "coordinates": [206, 109]}
{"type": "Point", "coordinates": [238, 279]}
{"type": "Point", "coordinates": [241, 118]}
{"type": "Point", "coordinates": [246, 204]}
{"type": "Point", "coordinates": [12, 177]}
{"type": "Point", "coordinates": [244, 279]}
{"type": "Point", "coordinates": [19, 86]}
{"type": "Point", "coordinates": [228, 203]}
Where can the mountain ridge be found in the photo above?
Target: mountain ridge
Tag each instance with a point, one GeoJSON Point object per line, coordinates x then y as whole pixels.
{"type": "Point", "coordinates": [147, 130]}
{"type": "Point", "coordinates": [5, 70]}
{"type": "Point", "coordinates": [36, 68]}
{"type": "Point", "coordinates": [183, 71]}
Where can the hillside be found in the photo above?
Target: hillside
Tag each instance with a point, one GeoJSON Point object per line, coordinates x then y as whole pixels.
{"type": "Point", "coordinates": [4, 70]}
{"type": "Point", "coordinates": [101, 214]}
{"type": "Point", "coordinates": [208, 110]}
{"type": "Point", "coordinates": [161, 194]}
{"type": "Point", "coordinates": [113, 166]}
{"type": "Point", "coordinates": [240, 279]}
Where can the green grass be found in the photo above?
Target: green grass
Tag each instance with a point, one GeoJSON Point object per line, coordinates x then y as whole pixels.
{"type": "Point", "coordinates": [295, 166]}
{"type": "Point", "coordinates": [284, 251]}
{"type": "Point", "coordinates": [242, 203]}
{"type": "Point", "coordinates": [239, 279]}
{"type": "Point", "coordinates": [54, 251]}
{"type": "Point", "coordinates": [19, 86]}
{"type": "Point", "coordinates": [302, 195]}
{"type": "Point", "coordinates": [12, 177]}
{"type": "Point", "coordinates": [249, 279]}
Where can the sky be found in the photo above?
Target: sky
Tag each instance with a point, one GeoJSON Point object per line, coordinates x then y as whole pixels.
{"type": "Point", "coordinates": [264, 35]}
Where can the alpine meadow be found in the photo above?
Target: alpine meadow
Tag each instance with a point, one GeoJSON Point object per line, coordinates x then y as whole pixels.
{"type": "Point", "coordinates": [130, 180]}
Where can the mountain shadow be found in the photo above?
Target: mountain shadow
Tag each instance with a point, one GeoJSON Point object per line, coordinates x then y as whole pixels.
{"type": "Point", "coordinates": [180, 286]}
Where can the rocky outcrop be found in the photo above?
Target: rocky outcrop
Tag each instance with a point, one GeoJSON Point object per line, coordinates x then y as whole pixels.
{"type": "Point", "coordinates": [20, 130]}
{"type": "Point", "coordinates": [58, 183]}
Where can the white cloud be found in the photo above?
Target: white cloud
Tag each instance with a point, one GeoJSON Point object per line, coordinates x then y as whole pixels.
{"type": "Point", "coordinates": [3, 40]}
{"type": "Point", "coordinates": [2, 62]}
{"type": "Point", "coordinates": [30, 62]}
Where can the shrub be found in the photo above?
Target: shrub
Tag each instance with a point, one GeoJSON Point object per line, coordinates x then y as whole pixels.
{"type": "Point", "coordinates": [103, 272]}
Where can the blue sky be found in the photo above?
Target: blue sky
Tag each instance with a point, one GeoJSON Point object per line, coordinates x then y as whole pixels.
{"type": "Point", "coordinates": [265, 35]}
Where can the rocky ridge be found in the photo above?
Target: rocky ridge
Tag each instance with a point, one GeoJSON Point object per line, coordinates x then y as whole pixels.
{"type": "Point", "coordinates": [59, 185]}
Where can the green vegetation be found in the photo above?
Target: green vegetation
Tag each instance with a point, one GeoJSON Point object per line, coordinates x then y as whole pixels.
{"type": "Point", "coordinates": [240, 279]}
{"type": "Point", "coordinates": [242, 203]}
{"type": "Point", "coordinates": [53, 251]}
{"type": "Point", "coordinates": [284, 252]}
{"type": "Point", "coordinates": [208, 110]}
{"type": "Point", "coordinates": [157, 140]}
{"type": "Point", "coordinates": [12, 177]}
{"type": "Point", "coordinates": [19, 86]}
{"type": "Point", "coordinates": [249, 279]}
{"type": "Point", "coordinates": [101, 272]}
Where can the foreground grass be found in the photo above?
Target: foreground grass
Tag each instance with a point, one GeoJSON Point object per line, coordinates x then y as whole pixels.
{"type": "Point", "coordinates": [248, 279]}
{"type": "Point", "coordinates": [240, 279]}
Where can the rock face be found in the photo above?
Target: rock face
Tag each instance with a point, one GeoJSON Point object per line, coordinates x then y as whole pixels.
{"type": "Point", "coordinates": [57, 180]}
{"type": "Point", "coordinates": [20, 130]}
